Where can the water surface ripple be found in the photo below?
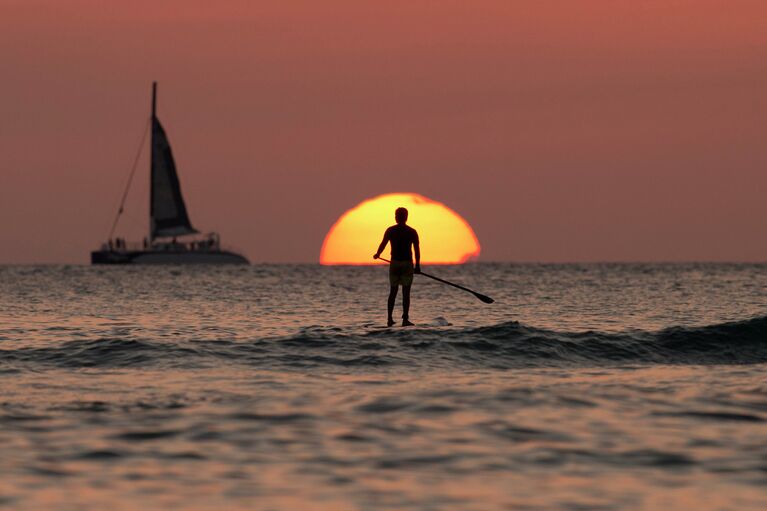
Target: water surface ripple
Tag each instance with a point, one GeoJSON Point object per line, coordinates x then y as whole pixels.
{"type": "Point", "coordinates": [275, 387]}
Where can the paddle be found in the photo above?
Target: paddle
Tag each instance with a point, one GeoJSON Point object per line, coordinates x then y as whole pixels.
{"type": "Point", "coordinates": [482, 297]}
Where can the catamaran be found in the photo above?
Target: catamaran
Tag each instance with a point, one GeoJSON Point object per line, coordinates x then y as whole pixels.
{"type": "Point", "coordinates": [171, 239]}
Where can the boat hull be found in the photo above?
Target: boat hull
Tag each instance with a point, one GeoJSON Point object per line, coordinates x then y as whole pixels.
{"type": "Point", "coordinates": [166, 257]}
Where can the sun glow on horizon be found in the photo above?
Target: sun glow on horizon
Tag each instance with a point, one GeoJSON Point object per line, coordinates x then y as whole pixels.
{"type": "Point", "coordinates": [445, 237]}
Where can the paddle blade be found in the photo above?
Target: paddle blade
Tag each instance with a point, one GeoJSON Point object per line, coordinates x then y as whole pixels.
{"type": "Point", "coordinates": [484, 298]}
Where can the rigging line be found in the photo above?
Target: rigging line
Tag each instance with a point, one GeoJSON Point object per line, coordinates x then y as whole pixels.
{"type": "Point", "coordinates": [130, 180]}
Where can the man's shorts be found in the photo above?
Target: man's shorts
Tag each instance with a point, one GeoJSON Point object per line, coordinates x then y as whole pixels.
{"type": "Point", "coordinates": [401, 273]}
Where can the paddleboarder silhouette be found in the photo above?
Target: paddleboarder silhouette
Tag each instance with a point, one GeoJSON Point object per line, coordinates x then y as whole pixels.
{"type": "Point", "coordinates": [404, 241]}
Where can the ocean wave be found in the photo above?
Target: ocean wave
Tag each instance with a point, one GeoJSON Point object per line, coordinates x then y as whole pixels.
{"type": "Point", "coordinates": [501, 346]}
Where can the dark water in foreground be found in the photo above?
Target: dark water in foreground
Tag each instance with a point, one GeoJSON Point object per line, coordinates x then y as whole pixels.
{"type": "Point", "coordinates": [274, 387]}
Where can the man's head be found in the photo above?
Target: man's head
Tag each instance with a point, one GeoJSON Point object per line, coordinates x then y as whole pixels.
{"type": "Point", "coordinates": [400, 215]}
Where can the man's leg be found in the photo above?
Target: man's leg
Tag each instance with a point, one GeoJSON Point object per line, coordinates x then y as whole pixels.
{"type": "Point", "coordinates": [406, 306]}
{"type": "Point", "coordinates": [392, 298]}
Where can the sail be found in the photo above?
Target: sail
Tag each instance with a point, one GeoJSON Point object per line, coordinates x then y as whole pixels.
{"type": "Point", "coordinates": [167, 211]}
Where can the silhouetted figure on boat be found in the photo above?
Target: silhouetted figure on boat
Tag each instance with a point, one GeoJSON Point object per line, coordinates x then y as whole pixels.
{"type": "Point", "coordinates": [404, 240]}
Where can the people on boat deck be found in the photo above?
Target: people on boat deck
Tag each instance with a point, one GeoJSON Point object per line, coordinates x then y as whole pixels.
{"type": "Point", "coordinates": [210, 243]}
{"type": "Point", "coordinates": [117, 244]}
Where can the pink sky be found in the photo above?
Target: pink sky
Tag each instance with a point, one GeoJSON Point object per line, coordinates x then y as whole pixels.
{"type": "Point", "coordinates": [562, 131]}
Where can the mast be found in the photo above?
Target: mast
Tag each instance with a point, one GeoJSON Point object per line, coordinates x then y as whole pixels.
{"type": "Point", "coordinates": [151, 163]}
{"type": "Point", "coordinates": [154, 99]}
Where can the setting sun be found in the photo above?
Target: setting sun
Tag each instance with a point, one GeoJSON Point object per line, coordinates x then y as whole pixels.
{"type": "Point", "coordinates": [446, 238]}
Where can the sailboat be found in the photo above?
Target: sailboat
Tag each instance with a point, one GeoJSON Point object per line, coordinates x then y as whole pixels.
{"type": "Point", "coordinates": [171, 239]}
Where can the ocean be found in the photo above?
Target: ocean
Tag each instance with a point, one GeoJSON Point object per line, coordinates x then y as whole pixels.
{"type": "Point", "coordinates": [277, 387]}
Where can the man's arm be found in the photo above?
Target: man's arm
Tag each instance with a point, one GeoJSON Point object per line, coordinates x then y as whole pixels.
{"type": "Point", "coordinates": [382, 246]}
{"type": "Point", "coordinates": [417, 250]}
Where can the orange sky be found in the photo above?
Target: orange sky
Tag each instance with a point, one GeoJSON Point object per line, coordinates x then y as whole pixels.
{"type": "Point", "coordinates": [561, 131]}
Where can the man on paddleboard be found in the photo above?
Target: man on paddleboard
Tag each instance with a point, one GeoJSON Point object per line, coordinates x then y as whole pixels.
{"type": "Point", "coordinates": [404, 239]}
